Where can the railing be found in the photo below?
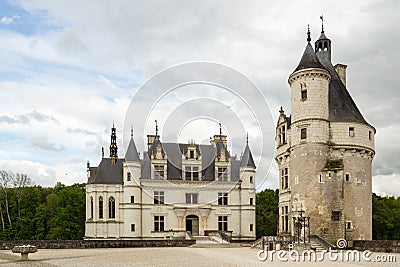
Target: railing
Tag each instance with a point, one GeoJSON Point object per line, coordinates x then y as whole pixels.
{"type": "Point", "coordinates": [270, 242]}
{"type": "Point", "coordinates": [224, 235]}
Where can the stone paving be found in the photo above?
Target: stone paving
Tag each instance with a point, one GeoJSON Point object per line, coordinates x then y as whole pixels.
{"type": "Point", "coordinates": [170, 256]}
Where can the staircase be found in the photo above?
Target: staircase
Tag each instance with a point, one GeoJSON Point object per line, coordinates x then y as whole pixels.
{"type": "Point", "coordinates": [211, 242]}
{"type": "Point", "coordinates": [318, 247]}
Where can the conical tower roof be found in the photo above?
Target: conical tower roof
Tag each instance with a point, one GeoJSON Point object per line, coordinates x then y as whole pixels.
{"type": "Point", "coordinates": [309, 58]}
{"type": "Point", "coordinates": [247, 158]}
{"type": "Point", "coordinates": [131, 153]}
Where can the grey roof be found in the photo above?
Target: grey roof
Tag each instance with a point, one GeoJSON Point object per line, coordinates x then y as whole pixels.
{"type": "Point", "coordinates": [107, 173]}
{"type": "Point", "coordinates": [247, 158]}
{"type": "Point", "coordinates": [131, 153]}
{"type": "Point", "coordinates": [309, 59]}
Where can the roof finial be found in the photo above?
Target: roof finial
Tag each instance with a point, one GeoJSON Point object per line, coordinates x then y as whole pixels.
{"type": "Point", "coordinates": [220, 129]}
{"type": "Point", "coordinates": [113, 124]}
{"type": "Point", "coordinates": [281, 111]}
{"type": "Point", "coordinates": [308, 34]}
{"type": "Point", "coordinates": [132, 131]}
{"type": "Point", "coordinates": [322, 21]}
{"type": "Point", "coordinates": [156, 128]}
{"type": "Point", "coordinates": [247, 138]}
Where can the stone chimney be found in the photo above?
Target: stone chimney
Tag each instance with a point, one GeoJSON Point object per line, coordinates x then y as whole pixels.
{"type": "Point", "coordinates": [341, 71]}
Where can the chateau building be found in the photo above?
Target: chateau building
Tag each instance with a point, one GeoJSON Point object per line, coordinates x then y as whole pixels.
{"type": "Point", "coordinates": [171, 190]}
{"type": "Point", "coordinates": [324, 153]}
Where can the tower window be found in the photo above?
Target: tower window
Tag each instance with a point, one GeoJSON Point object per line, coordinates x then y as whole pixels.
{"type": "Point", "coordinates": [132, 227]}
{"type": "Point", "coordinates": [128, 176]}
{"type": "Point", "coordinates": [351, 131]}
{"type": "Point", "coordinates": [369, 135]}
{"type": "Point", "coordinates": [285, 178]}
{"type": "Point", "coordinates": [349, 225]}
{"type": "Point", "coordinates": [347, 177]}
{"type": "Point", "coordinates": [91, 207]}
{"type": "Point", "coordinates": [320, 178]}
{"type": "Point", "coordinates": [251, 227]}
{"type": "Point", "coordinates": [336, 215]}
{"type": "Point", "coordinates": [251, 201]}
{"type": "Point", "coordinates": [132, 199]}
{"type": "Point", "coordinates": [251, 179]}
{"type": "Point", "coordinates": [303, 134]}
{"type": "Point", "coordinates": [303, 94]}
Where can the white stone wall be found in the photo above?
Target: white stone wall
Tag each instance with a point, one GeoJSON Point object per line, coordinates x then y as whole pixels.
{"type": "Point", "coordinates": [340, 135]}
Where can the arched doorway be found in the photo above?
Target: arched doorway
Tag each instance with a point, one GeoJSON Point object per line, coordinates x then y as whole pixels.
{"type": "Point", "coordinates": [192, 224]}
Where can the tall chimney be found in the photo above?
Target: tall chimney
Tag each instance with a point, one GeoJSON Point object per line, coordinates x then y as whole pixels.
{"type": "Point", "coordinates": [341, 71]}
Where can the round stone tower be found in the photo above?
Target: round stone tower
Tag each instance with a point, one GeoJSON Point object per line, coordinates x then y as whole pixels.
{"type": "Point", "coordinates": [324, 153]}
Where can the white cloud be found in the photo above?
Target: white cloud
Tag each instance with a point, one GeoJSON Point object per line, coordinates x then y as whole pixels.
{"type": "Point", "coordinates": [8, 20]}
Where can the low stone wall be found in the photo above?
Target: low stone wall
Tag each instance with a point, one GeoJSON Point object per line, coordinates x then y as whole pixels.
{"type": "Point", "coordinates": [66, 244]}
{"type": "Point", "coordinates": [377, 245]}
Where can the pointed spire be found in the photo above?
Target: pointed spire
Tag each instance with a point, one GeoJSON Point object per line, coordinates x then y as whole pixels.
{"type": "Point", "coordinates": [113, 146]}
{"type": "Point", "coordinates": [132, 153]}
{"type": "Point", "coordinates": [322, 22]}
{"type": "Point", "coordinates": [247, 138]}
{"type": "Point", "coordinates": [308, 34]}
{"type": "Point", "coordinates": [247, 158]}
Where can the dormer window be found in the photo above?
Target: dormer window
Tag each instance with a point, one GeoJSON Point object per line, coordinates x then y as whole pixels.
{"type": "Point", "coordinates": [222, 174]}
{"type": "Point", "coordinates": [282, 135]}
{"type": "Point", "coordinates": [191, 154]}
{"type": "Point", "coordinates": [159, 172]}
{"type": "Point", "coordinates": [191, 173]}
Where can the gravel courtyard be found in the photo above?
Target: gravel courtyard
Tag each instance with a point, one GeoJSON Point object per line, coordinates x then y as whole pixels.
{"type": "Point", "coordinates": [173, 256]}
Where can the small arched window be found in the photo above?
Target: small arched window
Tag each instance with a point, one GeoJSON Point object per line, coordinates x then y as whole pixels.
{"type": "Point", "coordinates": [111, 208]}
{"type": "Point", "coordinates": [91, 207]}
{"type": "Point", "coordinates": [100, 207]}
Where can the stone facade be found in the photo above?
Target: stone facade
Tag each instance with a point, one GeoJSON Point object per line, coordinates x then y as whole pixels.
{"type": "Point", "coordinates": [172, 189]}
{"type": "Point", "coordinates": [324, 153]}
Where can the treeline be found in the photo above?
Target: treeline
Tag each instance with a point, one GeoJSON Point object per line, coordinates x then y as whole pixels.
{"type": "Point", "coordinates": [385, 218]}
{"type": "Point", "coordinates": [34, 212]}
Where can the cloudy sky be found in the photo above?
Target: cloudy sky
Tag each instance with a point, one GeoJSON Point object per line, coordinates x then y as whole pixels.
{"type": "Point", "coordinates": [70, 68]}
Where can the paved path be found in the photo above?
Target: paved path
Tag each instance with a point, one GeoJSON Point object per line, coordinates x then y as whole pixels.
{"type": "Point", "coordinates": [239, 256]}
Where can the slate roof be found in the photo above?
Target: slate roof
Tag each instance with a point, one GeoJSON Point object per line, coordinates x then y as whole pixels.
{"type": "Point", "coordinates": [309, 59]}
{"type": "Point", "coordinates": [247, 158]}
{"type": "Point", "coordinates": [131, 153]}
{"type": "Point", "coordinates": [107, 173]}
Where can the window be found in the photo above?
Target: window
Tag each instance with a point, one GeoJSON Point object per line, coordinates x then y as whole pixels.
{"type": "Point", "coordinates": [222, 223]}
{"type": "Point", "coordinates": [158, 197]}
{"type": "Point", "coordinates": [100, 208]}
{"type": "Point", "coordinates": [132, 199]}
{"type": "Point", "coordinates": [251, 201]}
{"type": "Point", "coordinates": [158, 223]}
{"type": "Point", "coordinates": [192, 173]}
{"type": "Point", "coordinates": [349, 225]}
{"type": "Point", "coordinates": [158, 171]}
{"type": "Point", "coordinates": [285, 218]}
{"type": "Point", "coordinates": [369, 135]}
{"type": "Point", "coordinates": [282, 135]}
{"type": "Point", "coordinates": [132, 227]}
{"type": "Point", "coordinates": [351, 131]}
{"type": "Point", "coordinates": [222, 174]}
{"type": "Point", "coordinates": [303, 94]}
{"type": "Point", "coordinates": [111, 208]}
{"type": "Point", "coordinates": [335, 215]}
{"type": "Point", "coordinates": [191, 198]}
{"type": "Point", "coordinates": [128, 178]}
{"type": "Point", "coordinates": [285, 178]}
{"type": "Point", "coordinates": [303, 134]}
{"type": "Point", "coordinates": [251, 179]}
{"type": "Point", "coordinates": [251, 227]}
{"type": "Point", "coordinates": [222, 198]}
{"type": "Point", "coordinates": [91, 207]}
{"type": "Point", "coordinates": [191, 154]}
{"type": "Point", "coordinates": [320, 180]}
{"type": "Point", "coordinates": [347, 177]}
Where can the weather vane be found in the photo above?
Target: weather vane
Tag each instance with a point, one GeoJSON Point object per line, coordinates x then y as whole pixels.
{"type": "Point", "coordinates": [322, 21]}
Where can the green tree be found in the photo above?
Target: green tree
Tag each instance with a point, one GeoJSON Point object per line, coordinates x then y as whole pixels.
{"type": "Point", "coordinates": [267, 212]}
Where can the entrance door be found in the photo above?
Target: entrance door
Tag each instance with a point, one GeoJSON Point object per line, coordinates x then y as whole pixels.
{"type": "Point", "coordinates": [192, 224]}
